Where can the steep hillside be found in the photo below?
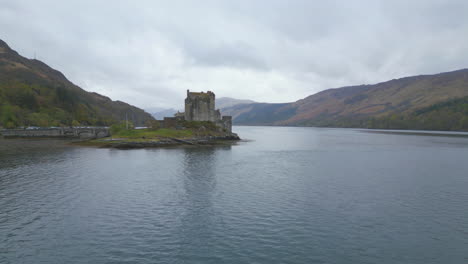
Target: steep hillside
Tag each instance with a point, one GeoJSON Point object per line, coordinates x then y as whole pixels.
{"type": "Point", "coordinates": [371, 105]}
{"type": "Point", "coordinates": [33, 94]}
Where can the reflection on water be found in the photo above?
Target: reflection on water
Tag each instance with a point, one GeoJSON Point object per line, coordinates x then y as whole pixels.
{"type": "Point", "coordinates": [289, 195]}
{"type": "Point", "coordinates": [199, 176]}
{"type": "Point", "coordinates": [199, 182]}
{"type": "Point", "coordinates": [14, 152]}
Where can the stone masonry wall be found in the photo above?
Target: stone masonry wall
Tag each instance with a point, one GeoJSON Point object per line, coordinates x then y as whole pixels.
{"type": "Point", "coordinates": [57, 132]}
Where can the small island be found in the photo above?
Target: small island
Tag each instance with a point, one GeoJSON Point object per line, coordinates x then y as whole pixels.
{"type": "Point", "coordinates": [200, 125]}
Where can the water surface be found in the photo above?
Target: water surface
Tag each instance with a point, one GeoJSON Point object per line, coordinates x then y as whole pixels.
{"type": "Point", "coordinates": [289, 195]}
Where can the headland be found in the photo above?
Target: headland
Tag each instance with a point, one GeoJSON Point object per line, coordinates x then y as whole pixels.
{"type": "Point", "coordinates": [200, 125]}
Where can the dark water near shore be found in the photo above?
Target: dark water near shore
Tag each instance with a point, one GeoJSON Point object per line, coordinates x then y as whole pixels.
{"type": "Point", "coordinates": [291, 195]}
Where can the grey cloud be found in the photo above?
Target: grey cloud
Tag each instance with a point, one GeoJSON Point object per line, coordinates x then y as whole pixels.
{"type": "Point", "coordinates": [149, 52]}
{"type": "Point", "coordinates": [238, 55]}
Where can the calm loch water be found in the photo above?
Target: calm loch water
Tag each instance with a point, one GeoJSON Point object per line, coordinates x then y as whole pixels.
{"type": "Point", "coordinates": [289, 195]}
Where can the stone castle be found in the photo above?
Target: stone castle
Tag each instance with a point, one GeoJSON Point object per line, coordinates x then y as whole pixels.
{"type": "Point", "coordinates": [200, 106]}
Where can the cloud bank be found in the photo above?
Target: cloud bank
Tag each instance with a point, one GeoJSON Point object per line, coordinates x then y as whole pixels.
{"type": "Point", "coordinates": [148, 53]}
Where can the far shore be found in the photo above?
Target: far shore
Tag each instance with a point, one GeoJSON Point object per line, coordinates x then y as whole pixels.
{"type": "Point", "coordinates": [418, 132]}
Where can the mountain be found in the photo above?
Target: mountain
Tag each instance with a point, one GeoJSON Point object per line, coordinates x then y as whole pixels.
{"type": "Point", "coordinates": [438, 102]}
{"type": "Point", "coordinates": [259, 113]}
{"type": "Point", "coordinates": [221, 103]}
{"type": "Point", "coordinates": [160, 113]}
{"type": "Point", "coordinates": [34, 94]}
{"type": "Point", "coordinates": [225, 102]}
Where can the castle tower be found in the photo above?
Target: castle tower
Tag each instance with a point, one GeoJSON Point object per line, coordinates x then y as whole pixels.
{"type": "Point", "coordinates": [201, 107]}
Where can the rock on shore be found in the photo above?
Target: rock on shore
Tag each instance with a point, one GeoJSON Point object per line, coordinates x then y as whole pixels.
{"type": "Point", "coordinates": [166, 142]}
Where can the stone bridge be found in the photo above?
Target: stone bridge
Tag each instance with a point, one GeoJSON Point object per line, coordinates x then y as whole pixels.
{"type": "Point", "coordinates": [64, 132]}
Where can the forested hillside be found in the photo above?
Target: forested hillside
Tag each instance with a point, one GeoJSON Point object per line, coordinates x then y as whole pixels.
{"type": "Point", "coordinates": [33, 94]}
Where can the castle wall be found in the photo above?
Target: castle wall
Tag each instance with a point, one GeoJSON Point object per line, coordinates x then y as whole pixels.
{"type": "Point", "coordinates": [169, 122]}
{"type": "Point", "coordinates": [227, 123]}
{"type": "Point", "coordinates": [58, 132]}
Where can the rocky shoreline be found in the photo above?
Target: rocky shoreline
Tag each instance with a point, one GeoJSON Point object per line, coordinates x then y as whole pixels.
{"type": "Point", "coordinates": [123, 143]}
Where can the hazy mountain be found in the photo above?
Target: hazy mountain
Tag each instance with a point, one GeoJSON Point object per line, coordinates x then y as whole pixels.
{"type": "Point", "coordinates": [225, 102]}
{"type": "Point", "coordinates": [221, 103]}
{"type": "Point", "coordinates": [436, 101]}
{"type": "Point", "coordinates": [32, 93]}
{"type": "Point", "coordinates": [160, 113]}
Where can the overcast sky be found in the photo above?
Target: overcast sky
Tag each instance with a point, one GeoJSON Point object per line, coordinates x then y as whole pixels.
{"type": "Point", "coordinates": [148, 53]}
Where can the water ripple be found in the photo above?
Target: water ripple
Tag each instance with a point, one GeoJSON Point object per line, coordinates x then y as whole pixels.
{"type": "Point", "coordinates": [321, 196]}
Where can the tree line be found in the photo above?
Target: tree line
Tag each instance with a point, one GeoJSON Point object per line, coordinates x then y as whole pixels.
{"type": "Point", "coordinates": [23, 104]}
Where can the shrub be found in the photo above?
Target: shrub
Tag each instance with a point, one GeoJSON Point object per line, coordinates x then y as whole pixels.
{"type": "Point", "coordinates": [119, 127]}
{"type": "Point", "coordinates": [75, 123]}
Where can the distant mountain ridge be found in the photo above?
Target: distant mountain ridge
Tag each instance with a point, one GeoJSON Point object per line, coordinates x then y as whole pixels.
{"type": "Point", "coordinates": [34, 94]}
{"type": "Point", "coordinates": [225, 102]}
{"type": "Point", "coordinates": [221, 103]}
{"type": "Point", "coordinates": [160, 113]}
{"type": "Point", "coordinates": [407, 103]}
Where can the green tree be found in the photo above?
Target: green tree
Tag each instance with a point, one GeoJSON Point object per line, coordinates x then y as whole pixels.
{"type": "Point", "coordinates": [7, 116]}
{"type": "Point", "coordinates": [122, 126]}
{"type": "Point", "coordinates": [75, 123]}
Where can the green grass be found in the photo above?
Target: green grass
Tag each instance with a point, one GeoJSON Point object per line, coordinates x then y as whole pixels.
{"type": "Point", "coordinates": [147, 133]}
